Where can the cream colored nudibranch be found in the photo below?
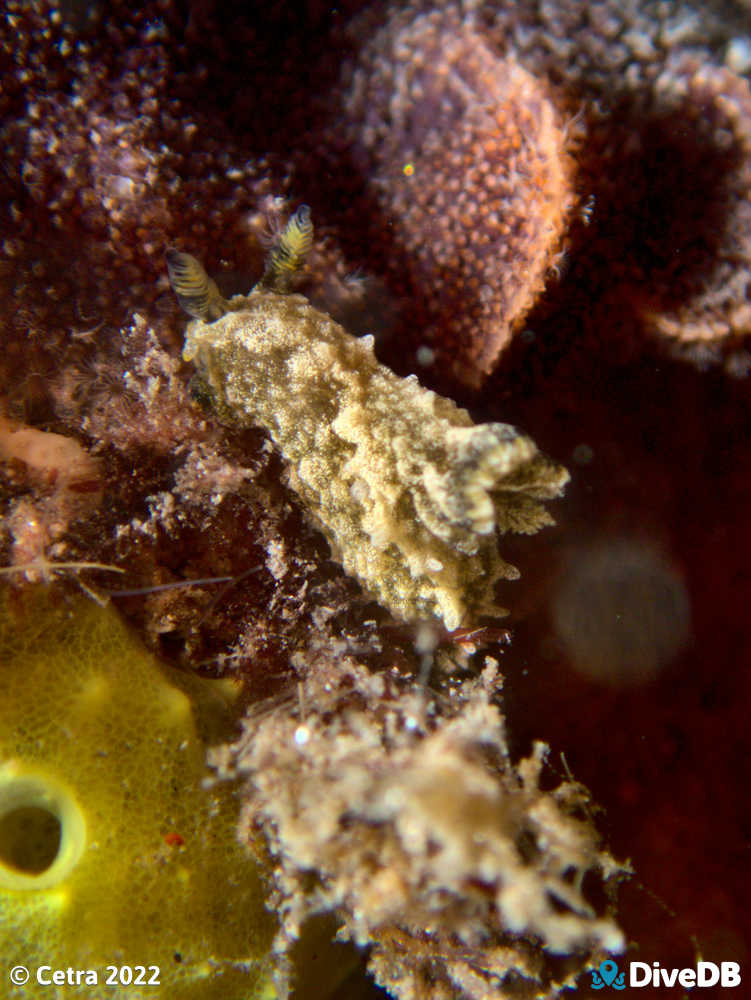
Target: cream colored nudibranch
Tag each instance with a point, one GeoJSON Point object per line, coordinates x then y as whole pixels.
{"type": "Point", "coordinates": [410, 494]}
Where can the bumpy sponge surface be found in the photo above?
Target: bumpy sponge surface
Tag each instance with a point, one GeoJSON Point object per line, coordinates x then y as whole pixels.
{"type": "Point", "coordinates": [113, 850]}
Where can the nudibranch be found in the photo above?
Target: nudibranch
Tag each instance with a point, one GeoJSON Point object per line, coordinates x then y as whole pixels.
{"type": "Point", "coordinates": [117, 860]}
{"type": "Point", "coordinates": [409, 492]}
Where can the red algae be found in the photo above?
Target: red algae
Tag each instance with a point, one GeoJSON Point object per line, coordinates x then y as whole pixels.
{"type": "Point", "coordinates": [663, 756]}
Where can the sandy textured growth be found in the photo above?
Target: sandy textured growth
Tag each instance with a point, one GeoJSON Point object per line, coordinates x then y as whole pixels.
{"type": "Point", "coordinates": [454, 866]}
{"type": "Point", "coordinates": [408, 491]}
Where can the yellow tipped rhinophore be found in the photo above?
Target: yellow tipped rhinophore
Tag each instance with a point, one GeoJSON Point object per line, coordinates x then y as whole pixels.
{"type": "Point", "coordinates": [196, 292]}
{"type": "Point", "coordinates": [112, 850]}
{"type": "Point", "coordinates": [289, 254]}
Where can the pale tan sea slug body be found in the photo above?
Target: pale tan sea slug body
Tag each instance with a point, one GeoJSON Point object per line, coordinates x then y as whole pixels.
{"type": "Point", "coordinates": [408, 491]}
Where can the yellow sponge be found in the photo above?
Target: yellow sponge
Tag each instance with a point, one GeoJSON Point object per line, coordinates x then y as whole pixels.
{"type": "Point", "coordinates": [114, 855]}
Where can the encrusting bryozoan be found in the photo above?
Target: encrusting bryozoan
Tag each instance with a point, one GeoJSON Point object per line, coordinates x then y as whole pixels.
{"type": "Point", "coordinates": [408, 491]}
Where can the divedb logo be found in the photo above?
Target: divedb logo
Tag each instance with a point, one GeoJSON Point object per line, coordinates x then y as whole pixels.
{"type": "Point", "coordinates": [609, 976]}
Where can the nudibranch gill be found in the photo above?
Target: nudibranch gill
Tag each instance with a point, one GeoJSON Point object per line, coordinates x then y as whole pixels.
{"type": "Point", "coordinates": [116, 860]}
{"type": "Point", "coordinates": [409, 492]}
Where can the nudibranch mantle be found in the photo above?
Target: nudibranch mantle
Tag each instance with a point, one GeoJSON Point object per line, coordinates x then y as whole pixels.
{"type": "Point", "coordinates": [410, 494]}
